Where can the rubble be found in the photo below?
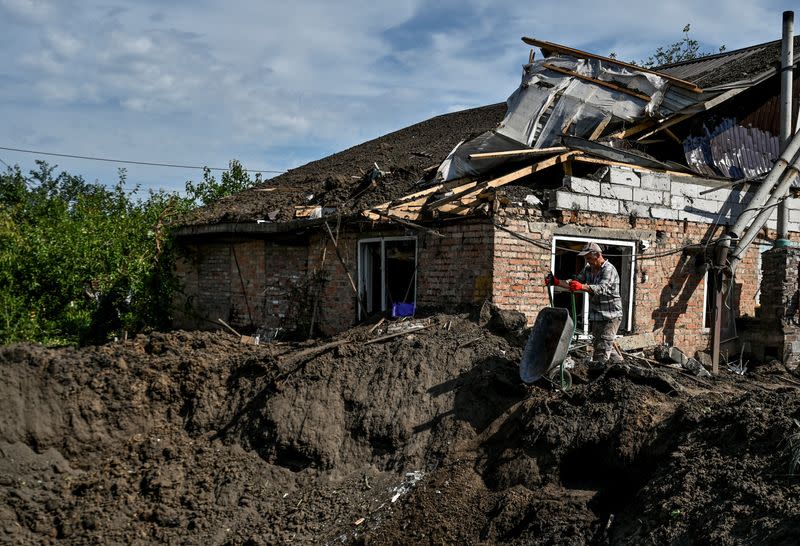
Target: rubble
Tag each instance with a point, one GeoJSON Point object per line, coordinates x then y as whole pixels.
{"type": "Point", "coordinates": [195, 437]}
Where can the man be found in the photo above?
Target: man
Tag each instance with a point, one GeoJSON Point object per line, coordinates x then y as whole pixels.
{"type": "Point", "coordinates": [600, 279]}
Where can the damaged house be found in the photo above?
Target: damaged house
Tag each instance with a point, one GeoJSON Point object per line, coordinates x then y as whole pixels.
{"type": "Point", "coordinates": [479, 205]}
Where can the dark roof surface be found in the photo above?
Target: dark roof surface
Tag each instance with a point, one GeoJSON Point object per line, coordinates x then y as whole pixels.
{"type": "Point", "coordinates": [337, 180]}
{"type": "Point", "coordinates": [746, 64]}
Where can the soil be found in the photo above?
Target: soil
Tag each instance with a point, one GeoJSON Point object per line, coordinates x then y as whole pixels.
{"type": "Point", "coordinates": [347, 180]}
{"type": "Point", "coordinates": [428, 437]}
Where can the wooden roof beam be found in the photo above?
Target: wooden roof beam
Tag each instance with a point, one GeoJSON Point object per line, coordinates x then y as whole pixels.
{"type": "Point", "coordinates": [549, 46]}
{"type": "Point", "coordinates": [601, 83]}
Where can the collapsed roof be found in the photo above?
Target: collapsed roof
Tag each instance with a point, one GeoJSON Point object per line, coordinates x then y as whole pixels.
{"type": "Point", "coordinates": [707, 116]}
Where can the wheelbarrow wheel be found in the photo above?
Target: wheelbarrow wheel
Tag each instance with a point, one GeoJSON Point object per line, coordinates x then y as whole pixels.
{"type": "Point", "coordinates": [555, 378]}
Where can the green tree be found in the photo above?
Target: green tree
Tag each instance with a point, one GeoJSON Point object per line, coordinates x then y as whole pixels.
{"type": "Point", "coordinates": [80, 261]}
{"type": "Point", "coordinates": [683, 50]}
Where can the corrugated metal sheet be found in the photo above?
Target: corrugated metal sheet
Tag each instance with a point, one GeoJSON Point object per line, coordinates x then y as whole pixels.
{"type": "Point", "coordinates": [733, 151]}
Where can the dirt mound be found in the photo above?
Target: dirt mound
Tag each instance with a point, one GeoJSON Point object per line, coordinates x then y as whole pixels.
{"type": "Point", "coordinates": [428, 437]}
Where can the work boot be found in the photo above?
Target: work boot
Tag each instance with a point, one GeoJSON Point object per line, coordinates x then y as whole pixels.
{"type": "Point", "coordinates": [596, 365]}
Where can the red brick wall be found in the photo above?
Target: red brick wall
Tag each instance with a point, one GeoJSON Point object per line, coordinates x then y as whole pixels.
{"type": "Point", "coordinates": [338, 305]}
{"type": "Point", "coordinates": [472, 261]}
{"type": "Point", "coordinates": [457, 267]}
{"type": "Point", "coordinates": [247, 283]}
{"type": "Point", "coordinates": [670, 301]}
{"type": "Point", "coordinates": [203, 272]}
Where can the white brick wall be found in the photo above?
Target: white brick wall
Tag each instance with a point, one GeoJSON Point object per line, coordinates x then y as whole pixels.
{"type": "Point", "coordinates": [653, 197]}
{"type": "Point", "coordinates": [566, 200]}
{"type": "Point", "coordinates": [657, 195]}
{"type": "Point", "coordinates": [613, 191]}
{"type": "Point", "coordinates": [582, 185]}
{"type": "Point", "coordinates": [603, 204]}
{"type": "Point", "coordinates": [622, 176]}
{"type": "Point", "coordinates": [655, 181]}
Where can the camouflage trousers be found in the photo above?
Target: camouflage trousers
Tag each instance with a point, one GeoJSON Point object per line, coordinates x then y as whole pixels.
{"type": "Point", "coordinates": [603, 332]}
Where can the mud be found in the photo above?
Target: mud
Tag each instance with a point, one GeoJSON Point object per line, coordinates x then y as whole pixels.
{"type": "Point", "coordinates": [425, 438]}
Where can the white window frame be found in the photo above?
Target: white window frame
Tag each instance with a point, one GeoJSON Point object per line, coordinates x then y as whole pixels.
{"type": "Point", "coordinates": [362, 273]}
{"type": "Point", "coordinates": [615, 242]}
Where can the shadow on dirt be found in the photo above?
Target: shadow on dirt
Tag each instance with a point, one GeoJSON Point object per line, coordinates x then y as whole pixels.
{"type": "Point", "coordinates": [482, 394]}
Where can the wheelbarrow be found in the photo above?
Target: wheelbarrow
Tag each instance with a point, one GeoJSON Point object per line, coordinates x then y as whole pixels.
{"type": "Point", "coordinates": [548, 345]}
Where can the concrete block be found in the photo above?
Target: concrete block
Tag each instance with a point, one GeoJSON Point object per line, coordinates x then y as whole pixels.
{"type": "Point", "coordinates": [637, 341]}
{"type": "Point", "coordinates": [679, 202]}
{"type": "Point", "coordinates": [583, 185]}
{"type": "Point", "coordinates": [676, 355]}
{"type": "Point", "coordinates": [623, 177]}
{"type": "Point", "coordinates": [653, 197]}
{"type": "Point", "coordinates": [664, 213]}
{"type": "Point", "coordinates": [566, 200]}
{"type": "Point", "coordinates": [655, 181]}
{"type": "Point", "coordinates": [635, 209]}
{"type": "Point", "coordinates": [613, 191]}
{"type": "Point", "coordinates": [603, 204]}
{"type": "Point", "coordinates": [686, 189]}
{"type": "Point", "coordinates": [794, 216]}
{"type": "Point", "coordinates": [696, 216]}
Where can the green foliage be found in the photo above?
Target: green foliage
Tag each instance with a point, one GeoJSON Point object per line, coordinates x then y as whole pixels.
{"type": "Point", "coordinates": [234, 180]}
{"type": "Point", "coordinates": [683, 50]}
{"type": "Point", "coordinates": [80, 262]}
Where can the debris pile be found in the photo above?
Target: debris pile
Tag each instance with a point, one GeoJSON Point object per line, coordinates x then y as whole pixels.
{"type": "Point", "coordinates": [428, 436]}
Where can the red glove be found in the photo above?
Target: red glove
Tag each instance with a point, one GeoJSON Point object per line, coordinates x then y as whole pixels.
{"type": "Point", "coordinates": [551, 280]}
{"type": "Point", "coordinates": [576, 286]}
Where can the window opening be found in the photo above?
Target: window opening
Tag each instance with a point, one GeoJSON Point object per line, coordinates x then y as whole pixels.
{"type": "Point", "coordinates": [566, 263]}
{"type": "Point", "coordinates": [388, 274]}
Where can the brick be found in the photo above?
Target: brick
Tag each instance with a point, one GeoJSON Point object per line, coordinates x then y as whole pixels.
{"type": "Point", "coordinates": [653, 197]}
{"type": "Point", "coordinates": [655, 181]}
{"type": "Point", "coordinates": [616, 191]}
{"type": "Point", "coordinates": [664, 213]}
{"type": "Point", "coordinates": [602, 204]}
{"type": "Point", "coordinates": [567, 200]}
{"type": "Point", "coordinates": [622, 176]}
{"type": "Point", "coordinates": [583, 185]}
{"type": "Point", "coordinates": [636, 209]}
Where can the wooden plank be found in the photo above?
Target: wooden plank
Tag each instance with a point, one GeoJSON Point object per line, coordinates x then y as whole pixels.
{"type": "Point", "coordinates": [500, 181]}
{"type": "Point", "coordinates": [530, 169]}
{"type": "Point", "coordinates": [598, 161]}
{"type": "Point", "coordinates": [634, 130]}
{"type": "Point", "coordinates": [372, 213]}
{"type": "Point", "coordinates": [586, 55]}
{"type": "Point", "coordinates": [600, 127]}
{"type": "Point", "coordinates": [301, 211]}
{"type": "Point", "coordinates": [523, 151]}
{"type": "Point", "coordinates": [601, 83]}
{"type": "Point", "coordinates": [666, 124]}
{"type": "Point", "coordinates": [673, 136]}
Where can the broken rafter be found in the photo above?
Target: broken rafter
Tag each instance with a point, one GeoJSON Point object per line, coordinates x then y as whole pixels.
{"type": "Point", "coordinates": [412, 197]}
{"type": "Point", "coordinates": [601, 83]}
{"type": "Point", "coordinates": [549, 46]}
{"type": "Point", "coordinates": [523, 151]}
{"type": "Point", "coordinates": [469, 195]}
{"type": "Point", "coordinates": [600, 127]}
{"type": "Point", "coordinates": [394, 217]}
{"type": "Point", "coordinates": [598, 161]}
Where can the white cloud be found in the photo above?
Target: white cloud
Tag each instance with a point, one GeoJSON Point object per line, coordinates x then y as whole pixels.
{"type": "Point", "coordinates": [187, 82]}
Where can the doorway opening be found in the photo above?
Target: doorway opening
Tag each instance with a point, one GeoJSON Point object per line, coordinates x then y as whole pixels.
{"type": "Point", "coordinates": [387, 275]}
{"type": "Point", "coordinates": [565, 264]}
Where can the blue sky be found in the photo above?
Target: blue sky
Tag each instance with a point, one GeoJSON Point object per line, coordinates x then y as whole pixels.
{"type": "Point", "coordinates": [278, 84]}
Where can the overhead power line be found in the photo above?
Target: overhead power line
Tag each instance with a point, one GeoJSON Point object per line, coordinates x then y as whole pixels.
{"type": "Point", "coordinates": [150, 163]}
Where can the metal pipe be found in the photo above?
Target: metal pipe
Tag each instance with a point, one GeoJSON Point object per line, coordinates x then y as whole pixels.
{"type": "Point", "coordinates": [765, 189]}
{"type": "Point", "coordinates": [781, 190]}
{"type": "Point", "coordinates": [787, 74]}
